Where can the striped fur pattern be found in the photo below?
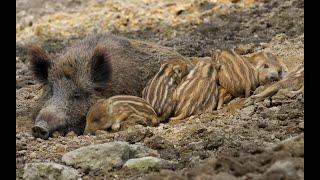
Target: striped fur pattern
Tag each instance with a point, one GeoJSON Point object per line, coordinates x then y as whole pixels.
{"type": "Point", "coordinates": [268, 66]}
{"type": "Point", "coordinates": [293, 82]}
{"type": "Point", "coordinates": [198, 92]}
{"type": "Point", "coordinates": [240, 75]}
{"type": "Point", "coordinates": [159, 90]}
{"type": "Point", "coordinates": [195, 60]}
{"type": "Point", "coordinates": [236, 75]}
{"type": "Point", "coordinates": [110, 113]}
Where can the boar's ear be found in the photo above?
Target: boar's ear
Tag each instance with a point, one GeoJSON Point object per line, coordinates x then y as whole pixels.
{"type": "Point", "coordinates": [100, 67]}
{"type": "Point", "coordinates": [40, 63]}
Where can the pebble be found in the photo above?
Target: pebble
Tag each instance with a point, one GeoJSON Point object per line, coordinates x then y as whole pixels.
{"type": "Point", "coordinates": [61, 148]}
{"type": "Point", "coordinates": [22, 152]}
{"type": "Point", "coordinates": [264, 45]}
{"type": "Point", "coordinates": [301, 125]}
{"type": "Point", "coordinates": [33, 155]}
{"type": "Point", "coordinates": [56, 134]}
{"type": "Point", "coordinates": [39, 140]}
{"type": "Point", "coordinates": [71, 134]}
{"type": "Point", "coordinates": [262, 124]}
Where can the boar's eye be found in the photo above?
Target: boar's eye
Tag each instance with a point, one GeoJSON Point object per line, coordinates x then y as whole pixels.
{"type": "Point", "coordinates": [78, 95]}
{"type": "Point", "coordinates": [265, 66]}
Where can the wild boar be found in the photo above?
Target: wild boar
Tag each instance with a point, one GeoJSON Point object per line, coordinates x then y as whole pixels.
{"type": "Point", "coordinates": [198, 91]}
{"type": "Point", "coordinates": [160, 88]}
{"type": "Point", "coordinates": [112, 112]}
{"type": "Point", "coordinates": [99, 66]}
{"type": "Point", "coordinates": [293, 82]}
{"type": "Point", "coordinates": [239, 76]}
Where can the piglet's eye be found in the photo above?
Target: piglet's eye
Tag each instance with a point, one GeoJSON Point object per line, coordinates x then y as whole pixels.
{"type": "Point", "coordinates": [96, 119]}
{"type": "Point", "coordinates": [265, 66]}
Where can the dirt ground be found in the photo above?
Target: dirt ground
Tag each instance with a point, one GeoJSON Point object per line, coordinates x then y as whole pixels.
{"type": "Point", "coordinates": [232, 143]}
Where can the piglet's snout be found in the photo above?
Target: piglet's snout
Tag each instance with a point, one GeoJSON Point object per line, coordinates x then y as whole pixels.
{"type": "Point", "coordinates": [274, 77]}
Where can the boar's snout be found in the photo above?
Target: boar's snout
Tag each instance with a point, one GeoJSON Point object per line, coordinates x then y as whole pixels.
{"type": "Point", "coordinates": [40, 132]}
{"type": "Point", "coordinates": [47, 122]}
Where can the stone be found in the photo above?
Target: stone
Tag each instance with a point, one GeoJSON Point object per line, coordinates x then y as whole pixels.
{"type": "Point", "coordinates": [146, 163]}
{"type": "Point", "coordinates": [33, 155]}
{"type": "Point", "coordinates": [98, 156]}
{"type": "Point", "coordinates": [138, 150]}
{"type": "Point", "coordinates": [50, 171]}
{"type": "Point", "coordinates": [71, 134]}
{"type": "Point", "coordinates": [56, 134]}
{"type": "Point", "coordinates": [106, 156]}
{"type": "Point", "coordinates": [301, 125]}
{"type": "Point", "coordinates": [61, 148]}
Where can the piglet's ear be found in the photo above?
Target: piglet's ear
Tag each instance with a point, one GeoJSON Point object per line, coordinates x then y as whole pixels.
{"type": "Point", "coordinates": [252, 58]}
{"type": "Point", "coordinates": [40, 63]}
{"type": "Point", "coordinates": [217, 66]}
{"type": "Point", "coordinates": [100, 67]}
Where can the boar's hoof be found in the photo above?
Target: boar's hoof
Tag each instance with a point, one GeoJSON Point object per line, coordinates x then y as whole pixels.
{"type": "Point", "coordinates": [40, 132]}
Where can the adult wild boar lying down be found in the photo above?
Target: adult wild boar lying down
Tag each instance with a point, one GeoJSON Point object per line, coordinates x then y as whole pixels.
{"type": "Point", "coordinates": [98, 66]}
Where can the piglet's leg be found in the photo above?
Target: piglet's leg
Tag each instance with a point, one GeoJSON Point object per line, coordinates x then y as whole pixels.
{"type": "Point", "coordinates": [165, 116]}
{"type": "Point", "coordinates": [291, 92]}
{"type": "Point", "coordinates": [155, 121]}
{"type": "Point", "coordinates": [179, 117]}
{"type": "Point", "coordinates": [224, 96]}
{"type": "Point", "coordinates": [270, 91]}
{"type": "Point", "coordinates": [116, 125]}
{"type": "Point", "coordinates": [247, 92]}
{"type": "Point", "coordinates": [273, 89]}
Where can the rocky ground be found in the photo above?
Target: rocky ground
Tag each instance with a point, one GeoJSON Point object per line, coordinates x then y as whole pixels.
{"type": "Point", "coordinates": [262, 141]}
